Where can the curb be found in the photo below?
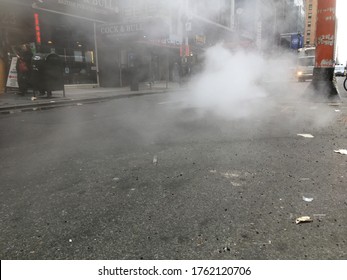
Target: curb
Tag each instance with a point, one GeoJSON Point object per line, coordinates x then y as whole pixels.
{"type": "Point", "coordinates": [45, 105]}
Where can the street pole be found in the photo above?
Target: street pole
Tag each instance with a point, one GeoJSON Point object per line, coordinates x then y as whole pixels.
{"type": "Point", "coordinates": [323, 84]}
{"type": "Point", "coordinates": [96, 56]}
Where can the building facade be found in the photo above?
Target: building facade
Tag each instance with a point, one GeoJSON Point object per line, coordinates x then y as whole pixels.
{"type": "Point", "coordinates": [104, 42]}
{"type": "Point", "coordinates": [310, 22]}
{"type": "Point", "coordinates": [156, 37]}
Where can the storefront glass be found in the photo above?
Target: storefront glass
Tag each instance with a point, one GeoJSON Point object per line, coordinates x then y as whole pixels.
{"type": "Point", "coordinates": [73, 40]}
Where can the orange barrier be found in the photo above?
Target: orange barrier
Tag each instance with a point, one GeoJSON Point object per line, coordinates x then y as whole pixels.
{"type": "Point", "coordinates": [325, 33]}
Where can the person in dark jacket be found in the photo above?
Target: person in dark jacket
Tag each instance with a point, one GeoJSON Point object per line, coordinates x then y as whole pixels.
{"type": "Point", "coordinates": [23, 67]}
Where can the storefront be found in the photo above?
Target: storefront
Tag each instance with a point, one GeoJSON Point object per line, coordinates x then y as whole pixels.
{"type": "Point", "coordinates": [73, 40]}
{"type": "Point", "coordinates": [144, 46]}
{"type": "Point", "coordinates": [16, 28]}
{"type": "Point", "coordinates": [68, 29]}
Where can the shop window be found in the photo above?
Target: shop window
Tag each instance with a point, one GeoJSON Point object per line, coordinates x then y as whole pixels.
{"type": "Point", "coordinates": [78, 56]}
{"type": "Point", "coordinates": [72, 39]}
{"type": "Point", "coordinates": [89, 57]}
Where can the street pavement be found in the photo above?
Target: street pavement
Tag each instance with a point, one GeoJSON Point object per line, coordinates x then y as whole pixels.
{"type": "Point", "coordinates": [155, 177]}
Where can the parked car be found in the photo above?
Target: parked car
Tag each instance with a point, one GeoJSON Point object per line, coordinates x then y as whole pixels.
{"type": "Point", "coordinates": [339, 70]}
{"type": "Point", "coordinates": [304, 69]}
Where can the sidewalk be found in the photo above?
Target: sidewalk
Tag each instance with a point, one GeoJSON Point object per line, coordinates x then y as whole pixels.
{"type": "Point", "coordinates": [11, 101]}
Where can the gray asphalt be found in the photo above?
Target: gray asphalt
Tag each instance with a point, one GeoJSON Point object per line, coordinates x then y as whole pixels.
{"type": "Point", "coordinates": [160, 177]}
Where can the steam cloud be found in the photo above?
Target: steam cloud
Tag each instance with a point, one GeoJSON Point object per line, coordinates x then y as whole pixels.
{"type": "Point", "coordinates": [243, 84]}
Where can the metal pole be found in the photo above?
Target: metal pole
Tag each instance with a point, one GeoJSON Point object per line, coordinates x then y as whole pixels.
{"type": "Point", "coordinates": [120, 69]}
{"type": "Point", "coordinates": [96, 56]}
{"type": "Point", "coordinates": [167, 69]}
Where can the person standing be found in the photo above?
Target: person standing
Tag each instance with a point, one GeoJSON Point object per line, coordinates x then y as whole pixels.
{"type": "Point", "coordinates": [23, 68]}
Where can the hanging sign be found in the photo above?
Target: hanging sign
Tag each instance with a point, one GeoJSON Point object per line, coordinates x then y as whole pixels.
{"type": "Point", "coordinates": [296, 41]}
{"type": "Point", "coordinates": [325, 33]}
{"type": "Point", "coordinates": [154, 28]}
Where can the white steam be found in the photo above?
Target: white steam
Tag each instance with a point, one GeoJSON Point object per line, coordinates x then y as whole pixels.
{"type": "Point", "coordinates": [228, 84]}
{"type": "Point", "coordinates": [243, 84]}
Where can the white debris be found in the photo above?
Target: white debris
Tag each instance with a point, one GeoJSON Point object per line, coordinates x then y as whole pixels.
{"type": "Point", "coordinates": [116, 179]}
{"type": "Point", "coordinates": [337, 110]}
{"type": "Point", "coordinates": [341, 151]}
{"type": "Point", "coordinates": [305, 135]}
{"type": "Point", "coordinates": [303, 219]}
{"type": "Point", "coordinates": [70, 240]}
{"type": "Point", "coordinates": [307, 199]}
{"type": "Point", "coordinates": [79, 104]}
{"type": "Point", "coordinates": [235, 184]}
{"type": "Point", "coordinates": [33, 98]}
{"type": "Point", "coordinates": [305, 179]}
{"type": "Point", "coordinates": [155, 160]}
{"type": "Point", "coordinates": [229, 175]}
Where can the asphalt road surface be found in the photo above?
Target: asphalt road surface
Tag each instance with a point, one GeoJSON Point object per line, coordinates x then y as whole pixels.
{"type": "Point", "coordinates": [176, 177]}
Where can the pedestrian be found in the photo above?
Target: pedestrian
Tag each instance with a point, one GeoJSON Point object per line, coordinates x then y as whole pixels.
{"type": "Point", "coordinates": [23, 67]}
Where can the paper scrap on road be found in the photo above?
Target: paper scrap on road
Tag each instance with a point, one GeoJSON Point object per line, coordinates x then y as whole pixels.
{"type": "Point", "coordinates": [341, 151]}
{"type": "Point", "coordinates": [235, 184]}
{"type": "Point", "coordinates": [305, 179]}
{"type": "Point", "coordinates": [306, 135]}
{"type": "Point", "coordinates": [303, 219]}
{"type": "Point", "coordinates": [307, 199]}
{"type": "Point", "coordinates": [155, 160]}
